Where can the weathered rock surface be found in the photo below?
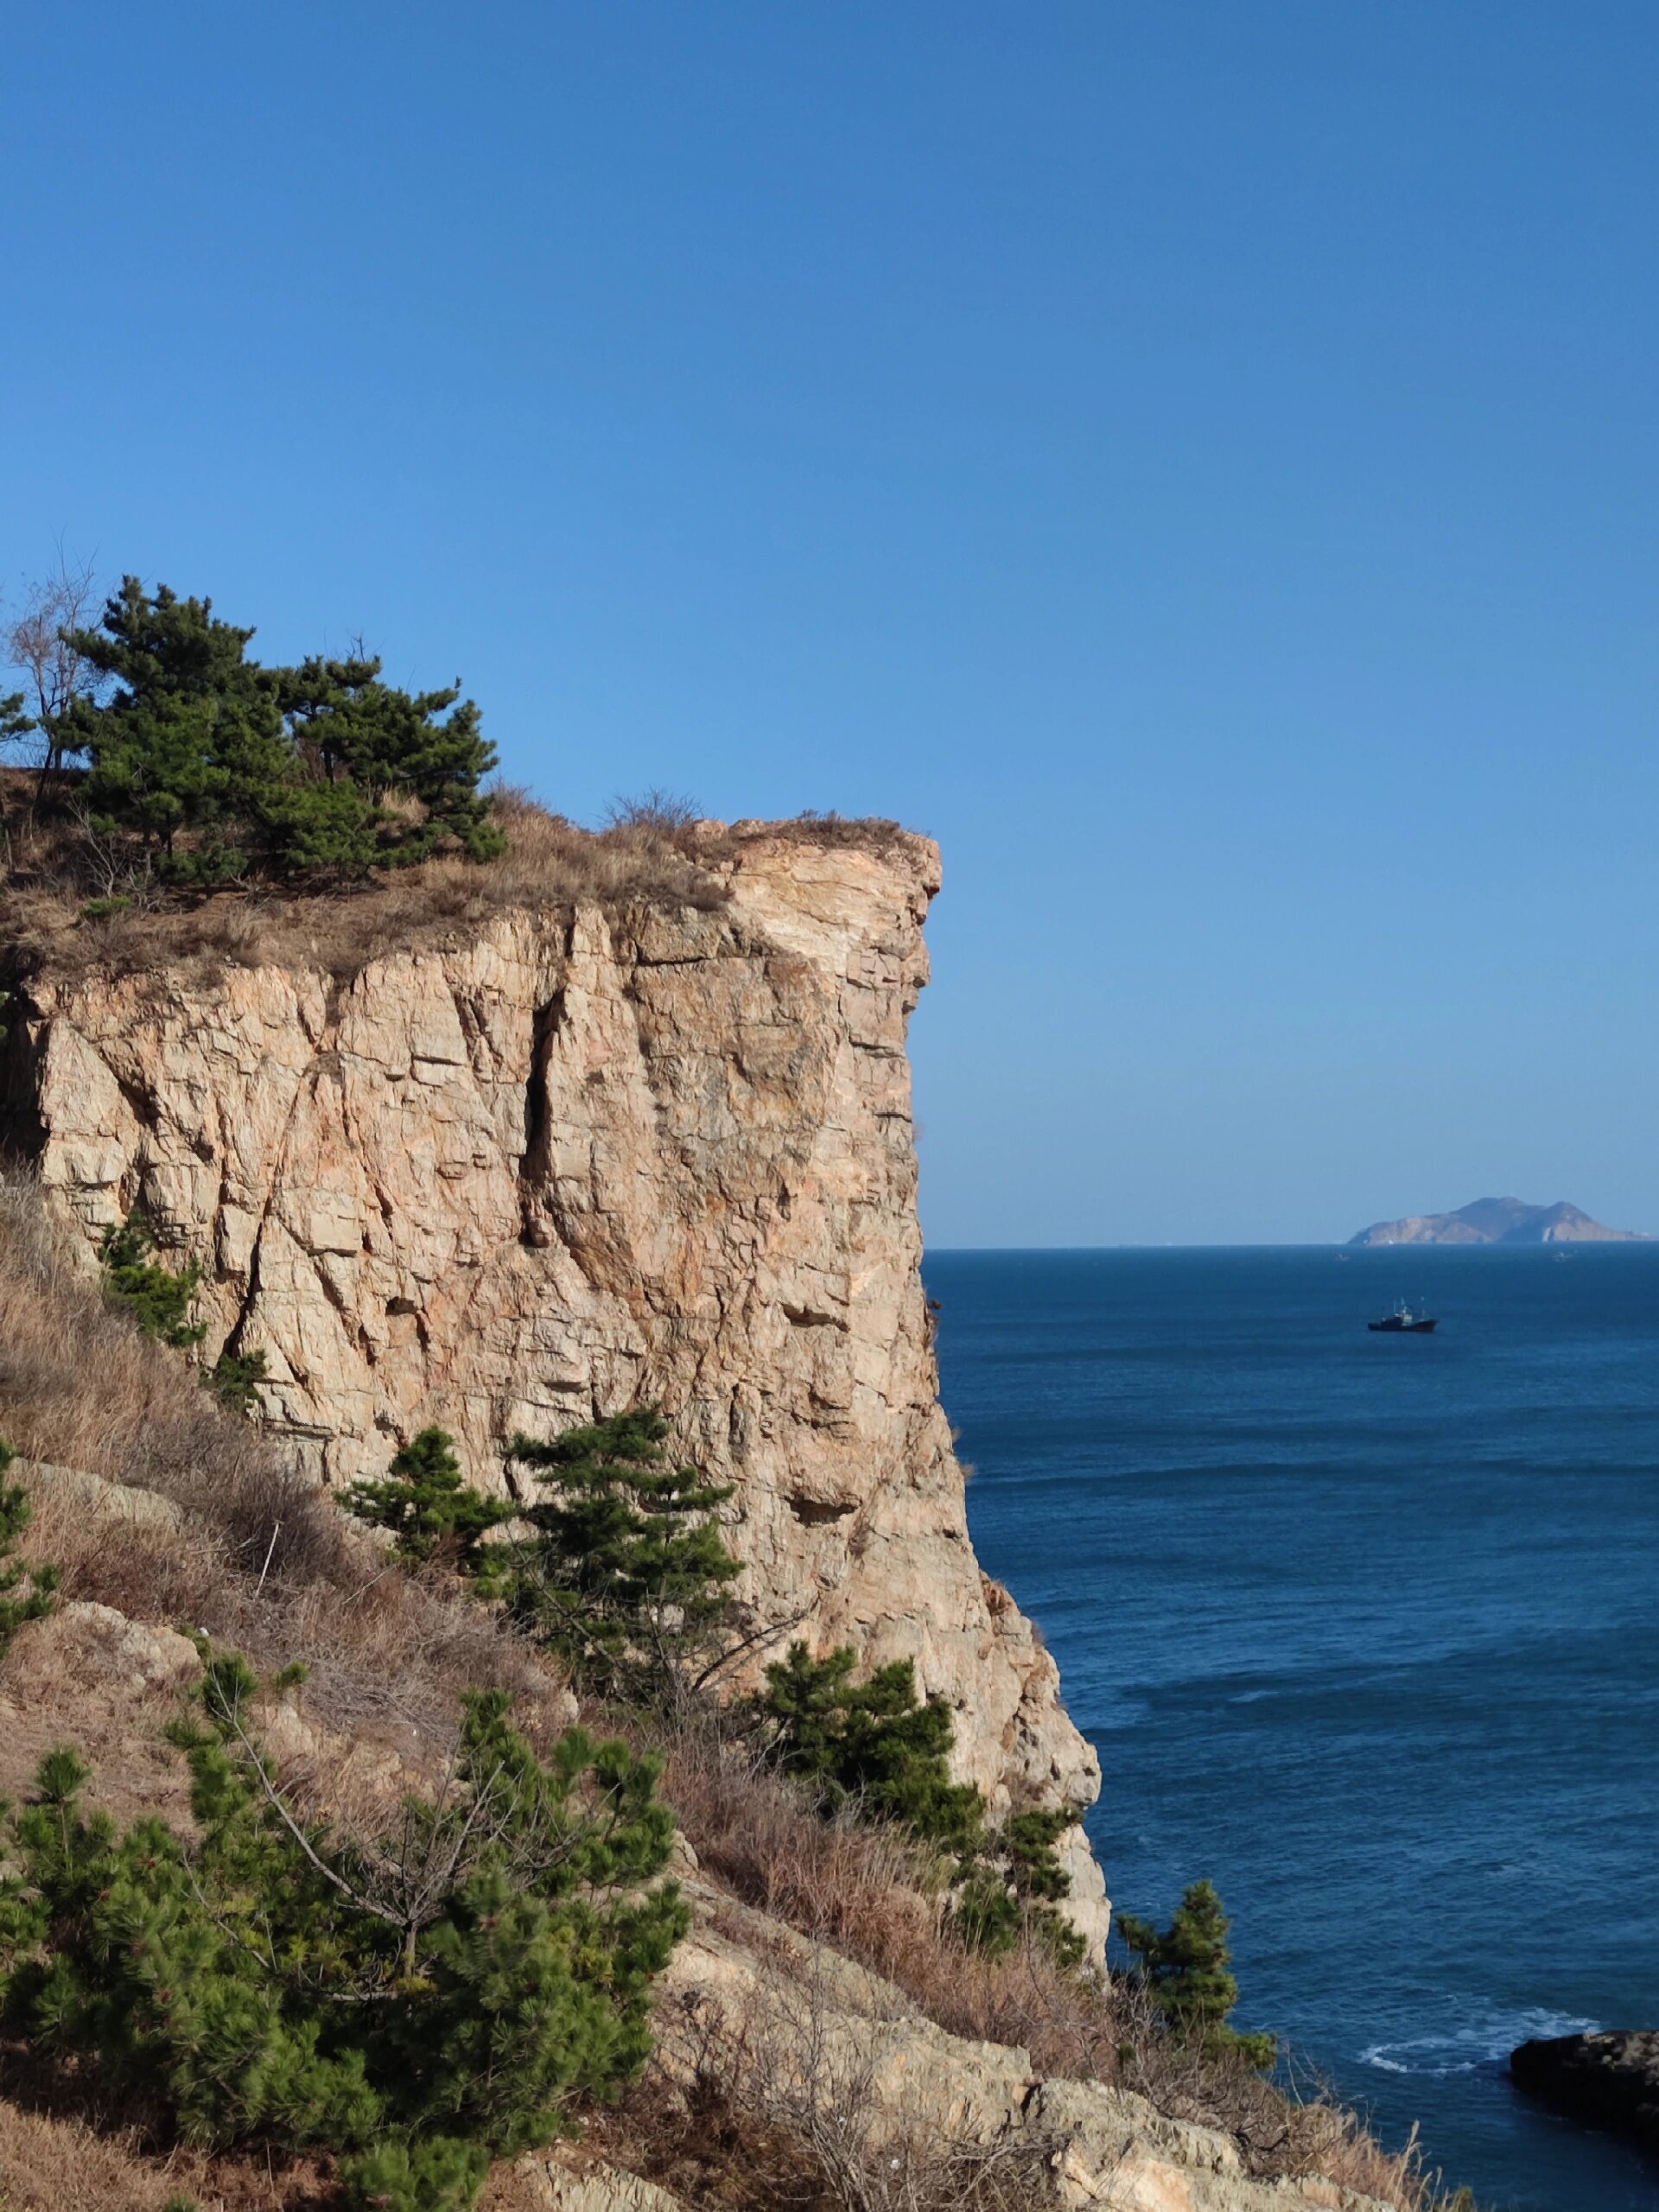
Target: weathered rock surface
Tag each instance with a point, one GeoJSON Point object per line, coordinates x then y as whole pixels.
{"type": "Point", "coordinates": [90, 1641]}
{"type": "Point", "coordinates": [564, 2182]}
{"type": "Point", "coordinates": [1610, 2080]}
{"type": "Point", "coordinates": [768, 2015]}
{"type": "Point", "coordinates": [569, 1164]}
{"type": "Point", "coordinates": [95, 1498]}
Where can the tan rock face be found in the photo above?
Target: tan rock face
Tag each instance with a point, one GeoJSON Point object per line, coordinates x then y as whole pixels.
{"type": "Point", "coordinates": [569, 1165]}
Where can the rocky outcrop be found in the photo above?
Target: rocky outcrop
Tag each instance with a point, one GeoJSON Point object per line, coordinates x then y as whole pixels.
{"type": "Point", "coordinates": [94, 1499]}
{"type": "Point", "coordinates": [1606, 2080]}
{"type": "Point", "coordinates": [784, 2027]}
{"type": "Point", "coordinates": [560, 2183]}
{"type": "Point", "coordinates": [573, 1161]}
{"type": "Point", "coordinates": [87, 1675]}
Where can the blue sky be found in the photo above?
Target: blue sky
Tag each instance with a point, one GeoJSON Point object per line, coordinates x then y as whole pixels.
{"type": "Point", "coordinates": [1197, 462]}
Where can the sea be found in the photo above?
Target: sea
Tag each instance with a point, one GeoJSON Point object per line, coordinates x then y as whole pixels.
{"type": "Point", "coordinates": [1363, 1628]}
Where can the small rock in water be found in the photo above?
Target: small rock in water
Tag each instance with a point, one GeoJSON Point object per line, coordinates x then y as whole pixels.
{"type": "Point", "coordinates": [1608, 2079]}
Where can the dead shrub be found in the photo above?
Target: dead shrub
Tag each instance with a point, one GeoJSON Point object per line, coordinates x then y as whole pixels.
{"type": "Point", "coordinates": [813, 2108]}
{"type": "Point", "coordinates": [871, 1893]}
{"type": "Point", "coordinates": [806, 2074]}
{"type": "Point", "coordinates": [668, 814]}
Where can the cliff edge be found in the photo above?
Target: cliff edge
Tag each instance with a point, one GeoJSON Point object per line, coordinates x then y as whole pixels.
{"type": "Point", "coordinates": [576, 1159]}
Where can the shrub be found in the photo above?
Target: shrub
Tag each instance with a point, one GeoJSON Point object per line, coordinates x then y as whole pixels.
{"type": "Point", "coordinates": [27, 1593]}
{"type": "Point", "coordinates": [662, 812]}
{"type": "Point", "coordinates": [1186, 1970]}
{"type": "Point", "coordinates": [431, 1512]}
{"type": "Point", "coordinates": [418, 2006]}
{"type": "Point", "coordinates": [627, 1576]}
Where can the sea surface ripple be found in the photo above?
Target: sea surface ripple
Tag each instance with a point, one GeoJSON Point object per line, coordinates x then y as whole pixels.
{"type": "Point", "coordinates": [1366, 1629]}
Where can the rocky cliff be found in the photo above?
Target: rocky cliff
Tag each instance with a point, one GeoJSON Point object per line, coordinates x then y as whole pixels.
{"type": "Point", "coordinates": [573, 1160]}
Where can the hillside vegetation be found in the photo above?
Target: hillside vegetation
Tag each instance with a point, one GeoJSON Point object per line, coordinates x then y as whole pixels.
{"type": "Point", "coordinates": [231, 1546]}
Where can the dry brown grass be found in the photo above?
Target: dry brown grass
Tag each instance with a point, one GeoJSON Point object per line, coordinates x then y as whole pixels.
{"type": "Point", "coordinates": [58, 2154]}
{"type": "Point", "coordinates": [863, 1891]}
{"type": "Point", "coordinates": [647, 856]}
{"type": "Point", "coordinates": [869, 832]}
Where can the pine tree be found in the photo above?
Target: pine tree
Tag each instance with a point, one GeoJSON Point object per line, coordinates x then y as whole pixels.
{"type": "Point", "coordinates": [235, 1379]}
{"type": "Point", "coordinates": [627, 1575]}
{"type": "Point", "coordinates": [193, 731]}
{"type": "Point", "coordinates": [1186, 1966]}
{"type": "Point", "coordinates": [438, 2173]}
{"type": "Point", "coordinates": [871, 1742]}
{"type": "Point", "coordinates": [432, 1512]}
{"type": "Point", "coordinates": [325, 830]}
{"type": "Point", "coordinates": [367, 735]}
{"type": "Point", "coordinates": [217, 766]}
{"type": "Point", "coordinates": [417, 2007]}
{"type": "Point", "coordinates": [26, 1593]}
{"type": "Point", "coordinates": [160, 1298]}
{"type": "Point", "coordinates": [874, 1746]}
{"type": "Point", "coordinates": [15, 722]}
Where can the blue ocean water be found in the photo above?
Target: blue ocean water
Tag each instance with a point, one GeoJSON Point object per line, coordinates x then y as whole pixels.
{"type": "Point", "coordinates": [1366, 1629]}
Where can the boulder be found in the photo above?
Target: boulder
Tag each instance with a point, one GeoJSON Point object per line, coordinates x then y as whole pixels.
{"type": "Point", "coordinates": [94, 1643]}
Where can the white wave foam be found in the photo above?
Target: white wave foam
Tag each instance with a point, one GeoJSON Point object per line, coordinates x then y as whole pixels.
{"type": "Point", "coordinates": [1483, 2043]}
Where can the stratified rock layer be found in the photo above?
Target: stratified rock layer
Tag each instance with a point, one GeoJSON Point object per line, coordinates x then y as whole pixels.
{"type": "Point", "coordinates": [570, 1164]}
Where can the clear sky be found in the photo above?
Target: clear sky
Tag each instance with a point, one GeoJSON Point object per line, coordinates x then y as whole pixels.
{"type": "Point", "coordinates": [1197, 460]}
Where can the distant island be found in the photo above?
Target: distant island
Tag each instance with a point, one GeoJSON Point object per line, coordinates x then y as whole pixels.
{"type": "Point", "coordinates": [1499, 1221]}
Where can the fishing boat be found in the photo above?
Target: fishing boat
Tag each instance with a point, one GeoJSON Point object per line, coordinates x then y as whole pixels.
{"type": "Point", "coordinates": [1402, 1322]}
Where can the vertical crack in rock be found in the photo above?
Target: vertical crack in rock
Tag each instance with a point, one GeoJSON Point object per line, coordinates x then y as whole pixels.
{"type": "Point", "coordinates": [533, 1168]}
